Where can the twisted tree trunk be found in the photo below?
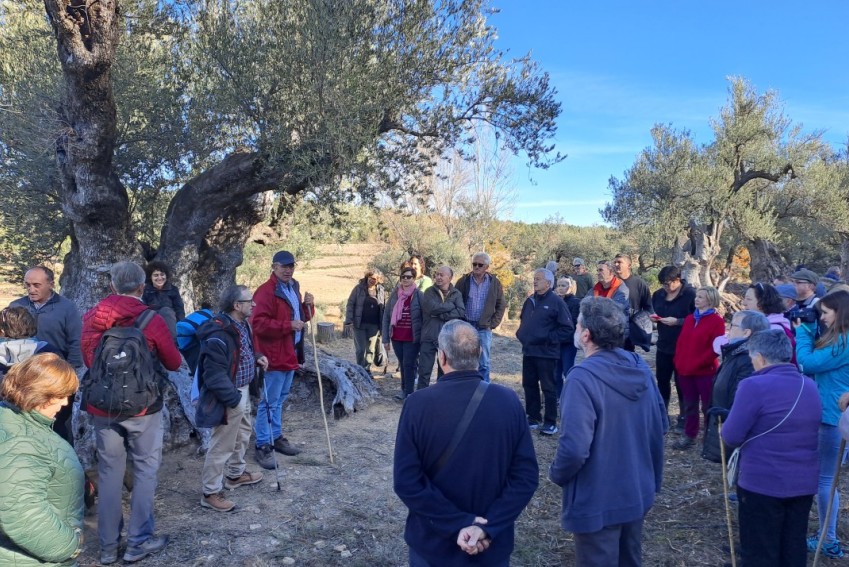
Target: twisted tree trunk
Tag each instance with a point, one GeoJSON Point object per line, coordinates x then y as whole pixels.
{"type": "Point", "coordinates": [766, 261]}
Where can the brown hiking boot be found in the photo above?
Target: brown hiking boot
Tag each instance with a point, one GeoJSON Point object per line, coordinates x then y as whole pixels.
{"type": "Point", "coordinates": [281, 445]}
{"type": "Point", "coordinates": [217, 502]}
{"type": "Point", "coordinates": [245, 479]}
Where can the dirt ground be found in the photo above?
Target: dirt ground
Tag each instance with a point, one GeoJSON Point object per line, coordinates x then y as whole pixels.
{"type": "Point", "coordinates": [346, 513]}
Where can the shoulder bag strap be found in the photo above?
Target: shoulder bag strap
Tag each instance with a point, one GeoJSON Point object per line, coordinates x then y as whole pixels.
{"type": "Point", "coordinates": [460, 432]}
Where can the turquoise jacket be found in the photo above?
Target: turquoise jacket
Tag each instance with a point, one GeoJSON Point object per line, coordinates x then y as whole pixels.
{"type": "Point", "coordinates": [828, 366]}
{"type": "Point", "coordinates": [41, 492]}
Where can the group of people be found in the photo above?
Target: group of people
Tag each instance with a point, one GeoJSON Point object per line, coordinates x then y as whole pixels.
{"type": "Point", "coordinates": [45, 345]}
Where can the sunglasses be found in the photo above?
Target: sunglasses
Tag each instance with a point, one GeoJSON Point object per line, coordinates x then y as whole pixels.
{"type": "Point", "coordinates": [478, 265]}
{"type": "Point", "coordinates": [251, 300]}
{"type": "Point", "coordinates": [407, 277]}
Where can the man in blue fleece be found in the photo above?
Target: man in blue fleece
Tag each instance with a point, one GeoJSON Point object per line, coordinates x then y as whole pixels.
{"type": "Point", "coordinates": [463, 503]}
{"type": "Point", "coordinates": [544, 324]}
{"type": "Point", "coordinates": [609, 459]}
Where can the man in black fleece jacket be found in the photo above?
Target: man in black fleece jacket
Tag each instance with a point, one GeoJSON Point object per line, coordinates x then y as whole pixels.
{"type": "Point", "coordinates": [462, 513]}
{"type": "Point", "coordinates": [544, 324]}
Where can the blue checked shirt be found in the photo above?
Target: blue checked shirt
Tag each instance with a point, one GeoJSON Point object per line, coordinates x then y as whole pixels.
{"type": "Point", "coordinates": [477, 297]}
{"type": "Point", "coordinates": [247, 361]}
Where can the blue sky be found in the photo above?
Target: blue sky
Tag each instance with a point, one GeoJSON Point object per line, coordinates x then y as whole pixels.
{"type": "Point", "coordinates": [621, 67]}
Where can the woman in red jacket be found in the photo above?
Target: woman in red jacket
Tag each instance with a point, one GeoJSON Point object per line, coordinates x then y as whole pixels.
{"type": "Point", "coordinates": [696, 362]}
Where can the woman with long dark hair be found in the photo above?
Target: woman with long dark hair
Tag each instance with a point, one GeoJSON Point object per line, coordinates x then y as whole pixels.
{"type": "Point", "coordinates": [826, 360]}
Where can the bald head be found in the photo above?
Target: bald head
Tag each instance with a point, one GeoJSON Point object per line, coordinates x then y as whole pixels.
{"type": "Point", "coordinates": [39, 284]}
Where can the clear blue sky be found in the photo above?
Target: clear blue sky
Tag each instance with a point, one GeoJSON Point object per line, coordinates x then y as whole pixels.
{"type": "Point", "coordinates": [622, 66]}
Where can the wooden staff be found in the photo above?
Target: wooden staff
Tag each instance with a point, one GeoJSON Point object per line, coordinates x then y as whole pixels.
{"type": "Point", "coordinates": [321, 392]}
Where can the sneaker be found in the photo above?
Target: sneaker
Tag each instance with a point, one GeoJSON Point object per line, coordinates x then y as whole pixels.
{"type": "Point", "coordinates": [684, 443]}
{"type": "Point", "coordinates": [138, 552]}
{"type": "Point", "coordinates": [243, 480]}
{"type": "Point", "coordinates": [829, 548]}
{"type": "Point", "coordinates": [281, 445]}
{"type": "Point", "coordinates": [533, 424]}
{"type": "Point", "coordinates": [217, 502]}
{"type": "Point", "coordinates": [401, 397]}
{"type": "Point", "coordinates": [108, 557]}
{"type": "Point", "coordinates": [548, 429]}
{"type": "Point", "coordinates": [265, 457]}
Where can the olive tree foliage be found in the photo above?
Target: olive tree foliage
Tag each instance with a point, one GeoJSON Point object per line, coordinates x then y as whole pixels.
{"type": "Point", "coordinates": [701, 200]}
{"type": "Point", "coordinates": [181, 121]}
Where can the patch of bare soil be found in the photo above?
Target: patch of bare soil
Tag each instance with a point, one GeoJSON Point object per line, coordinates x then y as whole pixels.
{"type": "Point", "coordinates": [347, 513]}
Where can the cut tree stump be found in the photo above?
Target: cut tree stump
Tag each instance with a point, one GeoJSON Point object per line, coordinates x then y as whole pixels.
{"type": "Point", "coordinates": [325, 332]}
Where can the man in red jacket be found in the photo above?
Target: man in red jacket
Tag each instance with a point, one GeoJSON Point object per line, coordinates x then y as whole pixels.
{"type": "Point", "coordinates": [141, 433]}
{"type": "Point", "coordinates": [278, 323]}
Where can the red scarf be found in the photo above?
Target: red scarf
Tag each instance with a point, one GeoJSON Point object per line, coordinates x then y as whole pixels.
{"type": "Point", "coordinates": [598, 289]}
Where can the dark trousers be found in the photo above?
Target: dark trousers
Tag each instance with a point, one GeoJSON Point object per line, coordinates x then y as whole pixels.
{"type": "Point", "coordinates": [773, 530]}
{"type": "Point", "coordinates": [366, 344]}
{"type": "Point", "coordinates": [568, 352]}
{"type": "Point", "coordinates": [408, 355]}
{"type": "Point", "coordinates": [538, 373]}
{"type": "Point", "coordinates": [427, 355]}
{"type": "Point", "coordinates": [611, 546]}
{"type": "Point", "coordinates": [665, 370]}
{"type": "Point", "coordinates": [417, 560]}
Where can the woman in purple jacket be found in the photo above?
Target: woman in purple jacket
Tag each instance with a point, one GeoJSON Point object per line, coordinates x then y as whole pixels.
{"type": "Point", "coordinates": [775, 422]}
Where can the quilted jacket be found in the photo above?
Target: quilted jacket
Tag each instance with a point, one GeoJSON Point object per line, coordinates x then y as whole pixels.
{"type": "Point", "coordinates": [41, 491]}
{"type": "Point", "coordinates": [272, 325]}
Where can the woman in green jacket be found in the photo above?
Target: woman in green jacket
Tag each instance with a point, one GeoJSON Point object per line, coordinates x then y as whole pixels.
{"type": "Point", "coordinates": [41, 479]}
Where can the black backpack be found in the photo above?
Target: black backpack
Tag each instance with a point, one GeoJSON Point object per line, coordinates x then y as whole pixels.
{"type": "Point", "coordinates": [124, 377]}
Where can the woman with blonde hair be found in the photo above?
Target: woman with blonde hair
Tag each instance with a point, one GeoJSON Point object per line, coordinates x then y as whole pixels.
{"type": "Point", "coordinates": [696, 362]}
{"type": "Point", "coordinates": [41, 479]}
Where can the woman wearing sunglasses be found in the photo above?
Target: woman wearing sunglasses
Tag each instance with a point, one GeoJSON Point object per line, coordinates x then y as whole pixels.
{"type": "Point", "coordinates": [402, 326]}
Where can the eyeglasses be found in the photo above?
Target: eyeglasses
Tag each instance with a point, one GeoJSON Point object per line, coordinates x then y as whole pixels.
{"type": "Point", "coordinates": [407, 277]}
{"type": "Point", "coordinates": [287, 266]}
{"type": "Point", "coordinates": [669, 283]}
{"type": "Point", "coordinates": [251, 300]}
{"type": "Point", "coordinates": [577, 265]}
{"type": "Point", "coordinates": [478, 265]}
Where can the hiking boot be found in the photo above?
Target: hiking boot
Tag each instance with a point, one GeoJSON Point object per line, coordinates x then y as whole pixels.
{"type": "Point", "coordinates": [402, 396]}
{"type": "Point", "coordinates": [548, 429]}
{"type": "Point", "coordinates": [138, 552]}
{"type": "Point", "coordinates": [243, 480]}
{"type": "Point", "coordinates": [281, 445]}
{"type": "Point", "coordinates": [108, 557]}
{"type": "Point", "coordinates": [217, 502]}
{"type": "Point", "coordinates": [684, 443]}
{"type": "Point", "coordinates": [829, 548]}
{"type": "Point", "coordinates": [265, 457]}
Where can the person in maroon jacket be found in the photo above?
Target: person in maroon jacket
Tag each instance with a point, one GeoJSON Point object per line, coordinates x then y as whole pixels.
{"type": "Point", "coordinates": [696, 362]}
{"type": "Point", "coordinates": [141, 433]}
{"type": "Point", "coordinates": [278, 323]}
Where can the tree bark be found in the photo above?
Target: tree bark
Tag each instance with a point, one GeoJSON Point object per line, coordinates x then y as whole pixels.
{"type": "Point", "coordinates": [696, 252]}
{"type": "Point", "coordinates": [844, 255]}
{"type": "Point", "coordinates": [766, 261]}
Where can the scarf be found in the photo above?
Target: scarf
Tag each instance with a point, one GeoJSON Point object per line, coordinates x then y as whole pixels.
{"type": "Point", "coordinates": [699, 314]}
{"type": "Point", "coordinates": [403, 299]}
{"type": "Point", "coordinates": [599, 291]}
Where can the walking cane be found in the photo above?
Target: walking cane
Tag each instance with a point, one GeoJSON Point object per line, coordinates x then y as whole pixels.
{"type": "Point", "coordinates": [824, 529]}
{"type": "Point", "coordinates": [270, 427]}
{"type": "Point", "coordinates": [725, 492]}
{"type": "Point", "coordinates": [321, 391]}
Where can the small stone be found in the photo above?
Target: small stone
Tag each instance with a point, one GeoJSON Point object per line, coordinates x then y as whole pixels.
{"type": "Point", "coordinates": [252, 509]}
{"type": "Point", "coordinates": [320, 543]}
{"type": "Point", "coordinates": [342, 547]}
{"type": "Point", "coordinates": [345, 553]}
{"type": "Point", "coordinates": [255, 526]}
{"type": "Point", "coordinates": [287, 561]}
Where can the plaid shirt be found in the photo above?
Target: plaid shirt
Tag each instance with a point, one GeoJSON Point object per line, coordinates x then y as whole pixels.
{"type": "Point", "coordinates": [477, 297]}
{"type": "Point", "coordinates": [246, 370]}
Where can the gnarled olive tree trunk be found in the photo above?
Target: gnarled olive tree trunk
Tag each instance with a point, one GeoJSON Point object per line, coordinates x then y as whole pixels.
{"type": "Point", "coordinates": [696, 252]}
{"type": "Point", "coordinates": [766, 261]}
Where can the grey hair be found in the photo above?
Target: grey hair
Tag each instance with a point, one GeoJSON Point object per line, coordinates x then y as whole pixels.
{"type": "Point", "coordinates": [771, 344]}
{"type": "Point", "coordinates": [751, 321]}
{"type": "Point", "coordinates": [548, 275]}
{"type": "Point", "coordinates": [607, 263]}
{"type": "Point", "coordinates": [228, 299]}
{"type": "Point", "coordinates": [450, 271]}
{"type": "Point", "coordinates": [126, 277]}
{"type": "Point", "coordinates": [552, 266]}
{"type": "Point", "coordinates": [483, 256]}
{"type": "Point", "coordinates": [460, 344]}
{"type": "Point", "coordinates": [605, 321]}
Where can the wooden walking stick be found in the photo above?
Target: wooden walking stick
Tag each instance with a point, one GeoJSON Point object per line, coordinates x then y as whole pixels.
{"type": "Point", "coordinates": [725, 493]}
{"type": "Point", "coordinates": [321, 391]}
{"type": "Point", "coordinates": [824, 529]}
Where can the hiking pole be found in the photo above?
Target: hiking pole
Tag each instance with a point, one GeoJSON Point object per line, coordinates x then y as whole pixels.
{"type": "Point", "coordinates": [270, 426]}
{"type": "Point", "coordinates": [824, 529]}
{"type": "Point", "coordinates": [725, 492]}
{"type": "Point", "coordinates": [321, 391]}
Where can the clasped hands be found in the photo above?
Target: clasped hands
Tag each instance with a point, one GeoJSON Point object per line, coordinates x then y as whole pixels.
{"type": "Point", "coordinates": [473, 539]}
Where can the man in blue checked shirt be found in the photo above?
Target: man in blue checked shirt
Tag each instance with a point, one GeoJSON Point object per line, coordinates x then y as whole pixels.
{"type": "Point", "coordinates": [483, 297]}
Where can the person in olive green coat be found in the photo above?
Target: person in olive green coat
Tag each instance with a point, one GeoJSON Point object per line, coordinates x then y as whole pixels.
{"type": "Point", "coordinates": [41, 479]}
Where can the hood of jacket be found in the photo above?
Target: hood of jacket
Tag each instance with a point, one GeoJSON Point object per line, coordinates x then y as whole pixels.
{"type": "Point", "coordinates": [734, 348]}
{"type": "Point", "coordinates": [622, 371]}
{"type": "Point", "coordinates": [119, 310]}
{"type": "Point", "coordinates": [778, 320]}
{"type": "Point", "coordinates": [18, 350]}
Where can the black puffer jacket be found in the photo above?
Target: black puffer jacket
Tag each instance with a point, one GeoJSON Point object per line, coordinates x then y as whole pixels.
{"type": "Point", "coordinates": [168, 296]}
{"type": "Point", "coordinates": [736, 365]}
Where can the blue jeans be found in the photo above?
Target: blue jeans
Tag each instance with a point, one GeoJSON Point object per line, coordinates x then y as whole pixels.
{"type": "Point", "coordinates": [277, 386]}
{"type": "Point", "coordinates": [485, 336]}
{"type": "Point", "coordinates": [408, 358]}
{"type": "Point", "coordinates": [829, 444]}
